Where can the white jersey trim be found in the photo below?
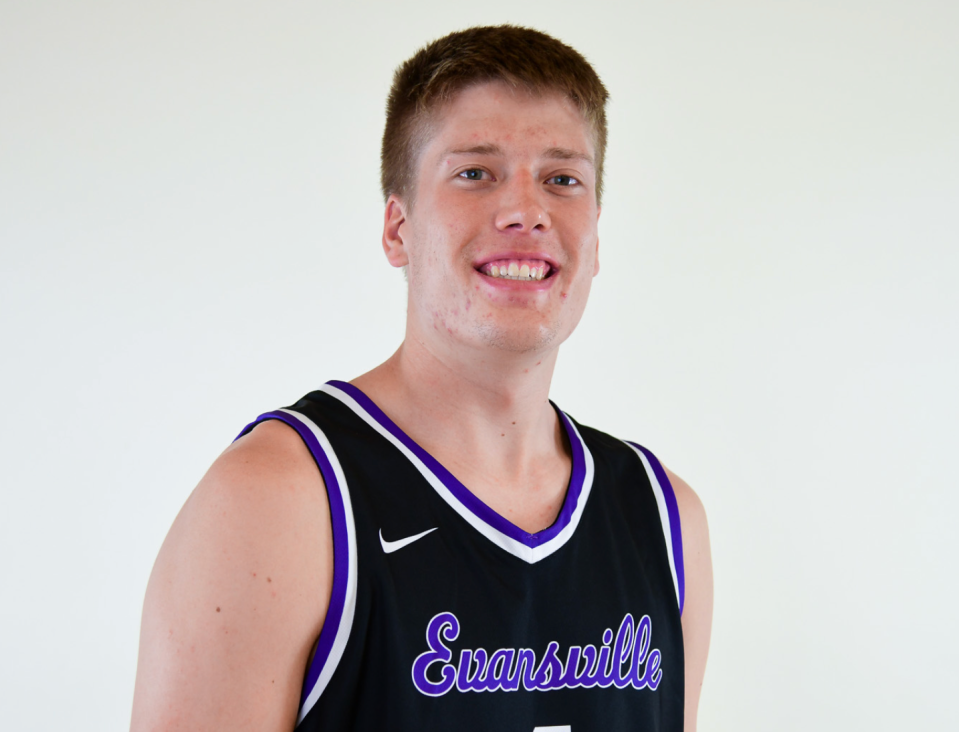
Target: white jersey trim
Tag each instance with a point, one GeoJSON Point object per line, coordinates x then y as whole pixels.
{"type": "Point", "coordinates": [663, 516]}
{"type": "Point", "coordinates": [509, 544]}
{"type": "Point", "coordinates": [349, 604]}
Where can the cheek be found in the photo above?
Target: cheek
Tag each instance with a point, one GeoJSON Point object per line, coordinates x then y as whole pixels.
{"type": "Point", "coordinates": [579, 293]}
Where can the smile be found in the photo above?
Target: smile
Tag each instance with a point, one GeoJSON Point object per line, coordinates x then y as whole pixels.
{"type": "Point", "coordinates": [529, 270]}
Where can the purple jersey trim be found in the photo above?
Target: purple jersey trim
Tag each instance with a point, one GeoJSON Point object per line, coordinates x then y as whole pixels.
{"type": "Point", "coordinates": [462, 493]}
{"type": "Point", "coordinates": [341, 545]}
{"type": "Point", "coordinates": [675, 530]}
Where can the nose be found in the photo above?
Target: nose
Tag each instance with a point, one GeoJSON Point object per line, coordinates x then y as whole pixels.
{"type": "Point", "coordinates": [521, 206]}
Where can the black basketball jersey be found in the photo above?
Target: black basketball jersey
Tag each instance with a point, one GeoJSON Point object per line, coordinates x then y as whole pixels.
{"type": "Point", "coordinates": [446, 616]}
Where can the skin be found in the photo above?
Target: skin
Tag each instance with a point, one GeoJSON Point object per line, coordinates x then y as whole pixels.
{"type": "Point", "coordinates": [241, 586]}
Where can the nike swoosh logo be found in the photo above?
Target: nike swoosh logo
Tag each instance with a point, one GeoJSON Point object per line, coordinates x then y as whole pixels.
{"type": "Point", "coordinates": [391, 546]}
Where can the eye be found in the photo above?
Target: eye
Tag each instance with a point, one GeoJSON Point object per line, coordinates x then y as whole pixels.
{"type": "Point", "coordinates": [562, 180]}
{"type": "Point", "coordinates": [472, 174]}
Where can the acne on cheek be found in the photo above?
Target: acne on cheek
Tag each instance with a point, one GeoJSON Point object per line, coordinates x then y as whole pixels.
{"type": "Point", "coordinates": [440, 322]}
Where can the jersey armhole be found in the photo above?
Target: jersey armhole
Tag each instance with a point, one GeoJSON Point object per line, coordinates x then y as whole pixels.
{"type": "Point", "coordinates": [339, 615]}
{"type": "Point", "coordinates": [669, 517]}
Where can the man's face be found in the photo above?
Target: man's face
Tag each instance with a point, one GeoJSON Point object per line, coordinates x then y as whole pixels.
{"type": "Point", "coordinates": [501, 245]}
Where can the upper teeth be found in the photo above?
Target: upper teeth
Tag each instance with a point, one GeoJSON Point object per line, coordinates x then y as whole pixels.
{"type": "Point", "coordinates": [516, 270]}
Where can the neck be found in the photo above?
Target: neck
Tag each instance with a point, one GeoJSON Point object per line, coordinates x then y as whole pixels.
{"type": "Point", "coordinates": [494, 406]}
{"type": "Point", "coordinates": [486, 418]}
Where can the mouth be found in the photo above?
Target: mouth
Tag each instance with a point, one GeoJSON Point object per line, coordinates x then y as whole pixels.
{"type": "Point", "coordinates": [523, 270]}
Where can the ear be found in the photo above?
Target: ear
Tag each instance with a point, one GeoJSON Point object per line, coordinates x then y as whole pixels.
{"type": "Point", "coordinates": [599, 210]}
{"type": "Point", "coordinates": [393, 219]}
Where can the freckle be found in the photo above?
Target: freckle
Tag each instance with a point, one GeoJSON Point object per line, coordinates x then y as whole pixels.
{"type": "Point", "coordinates": [218, 609]}
{"type": "Point", "coordinates": [538, 363]}
{"type": "Point", "coordinates": [514, 422]}
{"type": "Point", "coordinates": [503, 435]}
{"type": "Point", "coordinates": [253, 573]}
{"type": "Point", "coordinates": [268, 579]}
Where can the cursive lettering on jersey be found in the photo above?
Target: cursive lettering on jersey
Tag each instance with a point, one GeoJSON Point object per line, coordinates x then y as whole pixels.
{"type": "Point", "coordinates": [626, 659]}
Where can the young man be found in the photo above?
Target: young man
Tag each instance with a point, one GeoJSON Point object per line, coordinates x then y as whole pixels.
{"type": "Point", "coordinates": [434, 545]}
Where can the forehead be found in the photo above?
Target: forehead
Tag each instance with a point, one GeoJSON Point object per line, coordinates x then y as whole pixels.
{"type": "Point", "coordinates": [494, 112]}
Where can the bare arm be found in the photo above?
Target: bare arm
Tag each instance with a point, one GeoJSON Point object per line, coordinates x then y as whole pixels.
{"type": "Point", "coordinates": [698, 606]}
{"type": "Point", "coordinates": [238, 593]}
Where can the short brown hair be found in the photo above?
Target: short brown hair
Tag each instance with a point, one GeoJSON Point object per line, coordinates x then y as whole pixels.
{"type": "Point", "coordinates": [520, 57]}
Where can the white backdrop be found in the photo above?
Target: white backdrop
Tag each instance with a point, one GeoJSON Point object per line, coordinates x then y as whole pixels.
{"type": "Point", "coordinates": [190, 223]}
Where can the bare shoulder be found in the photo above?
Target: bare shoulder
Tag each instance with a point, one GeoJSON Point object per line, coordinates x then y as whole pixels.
{"type": "Point", "coordinates": [238, 593]}
{"type": "Point", "coordinates": [698, 608]}
{"type": "Point", "coordinates": [691, 510]}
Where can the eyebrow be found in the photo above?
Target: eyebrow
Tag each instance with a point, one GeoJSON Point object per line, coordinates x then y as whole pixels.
{"type": "Point", "coordinates": [487, 149]}
{"type": "Point", "coordinates": [564, 153]}
{"type": "Point", "coordinates": [553, 153]}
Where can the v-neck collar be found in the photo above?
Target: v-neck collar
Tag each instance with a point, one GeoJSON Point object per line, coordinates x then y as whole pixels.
{"type": "Point", "coordinates": [496, 528]}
